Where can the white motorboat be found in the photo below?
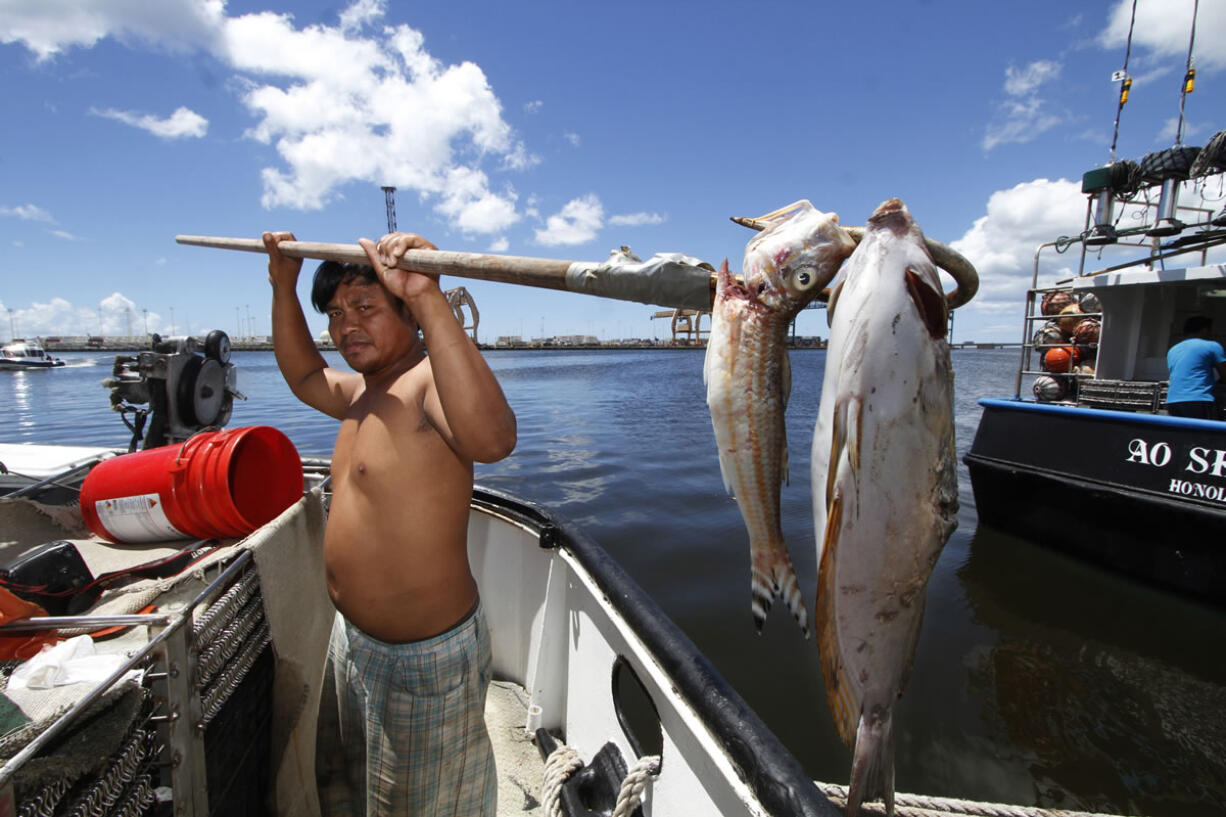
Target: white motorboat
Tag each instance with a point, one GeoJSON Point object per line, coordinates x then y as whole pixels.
{"type": "Point", "coordinates": [600, 704]}
{"type": "Point", "coordinates": [210, 708]}
{"type": "Point", "coordinates": [27, 354]}
{"type": "Point", "coordinates": [217, 716]}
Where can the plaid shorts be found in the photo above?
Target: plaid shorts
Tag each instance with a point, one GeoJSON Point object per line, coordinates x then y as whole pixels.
{"type": "Point", "coordinates": [402, 726]}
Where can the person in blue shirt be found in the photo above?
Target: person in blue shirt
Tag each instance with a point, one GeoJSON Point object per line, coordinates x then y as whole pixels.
{"type": "Point", "coordinates": [1192, 363]}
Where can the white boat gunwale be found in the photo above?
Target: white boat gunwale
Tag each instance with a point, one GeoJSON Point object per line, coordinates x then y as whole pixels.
{"type": "Point", "coordinates": [773, 775]}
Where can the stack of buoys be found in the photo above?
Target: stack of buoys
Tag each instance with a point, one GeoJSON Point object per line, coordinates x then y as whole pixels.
{"type": "Point", "coordinates": [1067, 343]}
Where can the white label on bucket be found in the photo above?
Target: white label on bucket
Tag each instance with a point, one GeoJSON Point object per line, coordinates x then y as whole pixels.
{"type": "Point", "coordinates": [136, 518]}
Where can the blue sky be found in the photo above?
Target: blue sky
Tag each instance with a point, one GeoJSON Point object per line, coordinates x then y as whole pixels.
{"type": "Point", "coordinates": [553, 129]}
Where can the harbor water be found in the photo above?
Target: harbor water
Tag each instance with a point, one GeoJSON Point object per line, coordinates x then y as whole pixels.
{"type": "Point", "coordinates": [1039, 680]}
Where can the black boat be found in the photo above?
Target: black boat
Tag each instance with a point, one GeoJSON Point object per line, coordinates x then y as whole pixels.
{"type": "Point", "coordinates": [1084, 456]}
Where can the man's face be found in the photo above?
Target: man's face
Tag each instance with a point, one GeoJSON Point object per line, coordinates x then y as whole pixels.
{"type": "Point", "coordinates": [371, 328]}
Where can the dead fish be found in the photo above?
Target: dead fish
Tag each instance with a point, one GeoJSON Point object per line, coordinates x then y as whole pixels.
{"type": "Point", "coordinates": [748, 380]}
{"type": "Point", "coordinates": [885, 492]}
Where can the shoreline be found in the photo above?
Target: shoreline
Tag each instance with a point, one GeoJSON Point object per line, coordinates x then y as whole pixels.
{"type": "Point", "coordinates": [133, 345]}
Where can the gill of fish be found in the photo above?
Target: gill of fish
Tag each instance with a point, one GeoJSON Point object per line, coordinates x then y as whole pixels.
{"type": "Point", "coordinates": [748, 380]}
{"type": "Point", "coordinates": [884, 485]}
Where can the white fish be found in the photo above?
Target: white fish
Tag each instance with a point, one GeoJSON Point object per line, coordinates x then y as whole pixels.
{"type": "Point", "coordinates": [748, 380]}
{"type": "Point", "coordinates": [885, 492]}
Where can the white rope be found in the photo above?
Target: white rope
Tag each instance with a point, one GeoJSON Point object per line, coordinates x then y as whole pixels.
{"type": "Point", "coordinates": [559, 766]}
{"type": "Point", "coordinates": [636, 780]}
{"type": "Point", "coordinates": [564, 761]}
{"type": "Point", "coordinates": [918, 805]}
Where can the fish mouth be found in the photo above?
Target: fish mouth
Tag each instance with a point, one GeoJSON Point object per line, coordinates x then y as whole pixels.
{"type": "Point", "coordinates": [891, 213]}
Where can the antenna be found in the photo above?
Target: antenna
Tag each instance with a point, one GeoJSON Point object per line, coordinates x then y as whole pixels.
{"type": "Point", "coordinates": [389, 199]}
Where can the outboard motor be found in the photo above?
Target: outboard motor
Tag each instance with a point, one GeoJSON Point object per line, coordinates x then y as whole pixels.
{"type": "Point", "coordinates": [186, 391]}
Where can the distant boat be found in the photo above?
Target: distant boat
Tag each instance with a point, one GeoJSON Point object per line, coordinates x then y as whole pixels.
{"type": "Point", "coordinates": [27, 354]}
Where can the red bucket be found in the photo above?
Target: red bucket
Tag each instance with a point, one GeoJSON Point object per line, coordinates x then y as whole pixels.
{"type": "Point", "coordinates": [217, 484]}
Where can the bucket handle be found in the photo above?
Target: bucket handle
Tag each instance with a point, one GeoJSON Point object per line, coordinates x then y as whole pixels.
{"type": "Point", "coordinates": [179, 465]}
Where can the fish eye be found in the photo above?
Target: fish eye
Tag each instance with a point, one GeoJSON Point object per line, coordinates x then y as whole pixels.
{"type": "Point", "coordinates": [804, 279]}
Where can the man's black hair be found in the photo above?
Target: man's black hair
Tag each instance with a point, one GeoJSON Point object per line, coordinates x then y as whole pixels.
{"type": "Point", "coordinates": [1197, 324]}
{"type": "Point", "coordinates": [331, 274]}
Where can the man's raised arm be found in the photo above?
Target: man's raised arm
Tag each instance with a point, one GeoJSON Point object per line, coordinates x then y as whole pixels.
{"type": "Point", "coordinates": [301, 364]}
{"type": "Point", "coordinates": [471, 410]}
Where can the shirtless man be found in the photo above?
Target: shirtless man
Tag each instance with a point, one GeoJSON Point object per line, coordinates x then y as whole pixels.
{"type": "Point", "coordinates": [410, 647]}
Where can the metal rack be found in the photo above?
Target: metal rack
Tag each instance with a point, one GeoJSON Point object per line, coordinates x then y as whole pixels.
{"type": "Point", "coordinates": [205, 678]}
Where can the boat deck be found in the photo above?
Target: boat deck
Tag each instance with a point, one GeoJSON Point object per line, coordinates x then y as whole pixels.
{"type": "Point", "coordinates": [520, 767]}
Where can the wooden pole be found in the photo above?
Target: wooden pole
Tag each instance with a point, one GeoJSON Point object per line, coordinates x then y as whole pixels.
{"type": "Point", "coordinates": [545, 273]}
{"type": "Point", "coordinates": [508, 269]}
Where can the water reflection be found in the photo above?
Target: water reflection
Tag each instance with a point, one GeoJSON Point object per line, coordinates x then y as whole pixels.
{"type": "Point", "coordinates": [21, 397]}
{"type": "Point", "coordinates": [1113, 689]}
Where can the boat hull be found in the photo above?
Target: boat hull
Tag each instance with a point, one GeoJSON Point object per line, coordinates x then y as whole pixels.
{"type": "Point", "coordinates": [20, 366]}
{"type": "Point", "coordinates": [601, 668]}
{"type": "Point", "coordinates": [1141, 494]}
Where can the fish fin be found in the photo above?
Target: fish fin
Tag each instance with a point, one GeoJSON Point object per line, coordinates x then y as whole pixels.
{"type": "Point", "coordinates": [832, 300]}
{"type": "Point", "coordinates": [726, 477]}
{"type": "Point", "coordinates": [872, 766]}
{"type": "Point", "coordinates": [930, 303]}
{"type": "Point", "coordinates": [773, 576]}
{"type": "Point", "coordinates": [846, 433]}
{"type": "Point", "coordinates": [843, 707]}
{"type": "Point", "coordinates": [785, 391]}
{"type": "Point", "coordinates": [723, 278]}
{"type": "Point", "coordinates": [857, 437]}
{"type": "Point", "coordinates": [785, 378]}
{"type": "Point", "coordinates": [761, 589]}
{"type": "Point", "coordinates": [783, 457]}
{"type": "Point", "coordinates": [838, 439]}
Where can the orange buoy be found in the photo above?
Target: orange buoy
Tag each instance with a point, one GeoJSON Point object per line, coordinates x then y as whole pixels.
{"type": "Point", "coordinates": [1060, 359]}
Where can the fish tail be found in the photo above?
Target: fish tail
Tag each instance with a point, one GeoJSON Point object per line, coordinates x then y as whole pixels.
{"type": "Point", "coordinates": [773, 576]}
{"type": "Point", "coordinates": [762, 596]}
{"type": "Point", "coordinates": [872, 769]}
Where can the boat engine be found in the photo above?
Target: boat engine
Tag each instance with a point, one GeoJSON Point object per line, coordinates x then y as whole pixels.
{"type": "Point", "coordinates": [187, 389]}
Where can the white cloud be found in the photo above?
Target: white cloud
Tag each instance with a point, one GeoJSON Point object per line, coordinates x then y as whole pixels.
{"type": "Point", "coordinates": [64, 234]}
{"type": "Point", "coordinates": [183, 123]}
{"type": "Point", "coordinates": [1027, 80]}
{"type": "Point", "coordinates": [1002, 243]}
{"type": "Point", "coordinates": [1163, 28]}
{"type": "Point", "coordinates": [115, 315]}
{"type": "Point", "coordinates": [27, 212]}
{"type": "Point", "coordinates": [1022, 116]}
{"type": "Point", "coordinates": [340, 108]}
{"type": "Point", "coordinates": [575, 139]}
{"type": "Point", "coordinates": [500, 244]}
{"type": "Point", "coordinates": [50, 27]}
{"type": "Point", "coordinates": [339, 103]}
{"type": "Point", "coordinates": [534, 106]}
{"type": "Point", "coordinates": [361, 14]}
{"type": "Point", "coordinates": [576, 223]}
{"type": "Point", "coordinates": [636, 219]}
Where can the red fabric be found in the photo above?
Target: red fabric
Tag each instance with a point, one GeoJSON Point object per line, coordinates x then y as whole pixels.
{"type": "Point", "coordinates": [21, 646]}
